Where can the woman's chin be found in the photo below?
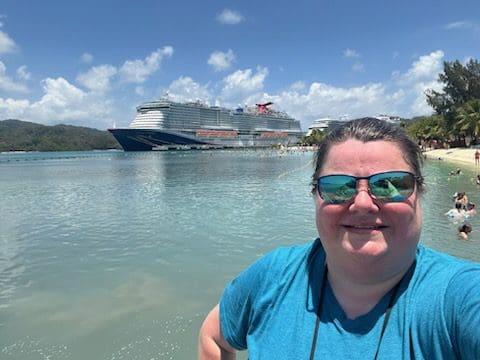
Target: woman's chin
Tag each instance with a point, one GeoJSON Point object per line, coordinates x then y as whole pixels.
{"type": "Point", "coordinates": [369, 248]}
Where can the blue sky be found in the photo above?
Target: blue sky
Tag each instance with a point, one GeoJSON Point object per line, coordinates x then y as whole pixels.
{"type": "Point", "coordinates": [91, 62]}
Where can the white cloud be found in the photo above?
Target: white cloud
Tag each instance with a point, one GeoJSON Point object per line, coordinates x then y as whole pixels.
{"type": "Point", "coordinates": [86, 58]}
{"type": "Point", "coordinates": [7, 84]}
{"type": "Point", "coordinates": [243, 82]}
{"type": "Point", "coordinates": [137, 71]}
{"type": "Point", "coordinates": [230, 17]}
{"type": "Point", "coordinates": [22, 73]}
{"type": "Point", "coordinates": [185, 89]}
{"type": "Point", "coordinates": [354, 54]}
{"type": "Point", "coordinates": [60, 98]}
{"type": "Point", "coordinates": [98, 78]}
{"type": "Point", "coordinates": [404, 95]}
{"type": "Point", "coordinates": [419, 105]}
{"type": "Point", "coordinates": [298, 86]}
{"type": "Point", "coordinates": [422, 75]}
{"type": "Point", "coordinates": [13, 109]}
{"type": "Point", "coordinates": [62, 102]}
{"type": "Point", "coordinates": [7, 45]}
{"type": "Point", "coordinates": [426, 67]}
{"type": "Point", "coordinates": [458, 25]}
{"type": "Point", "coordinates": [221, 60]}
{"type": "Point", "coordinates": [351, 54]}
{"type": "Point", "coordinates": [326, 100]}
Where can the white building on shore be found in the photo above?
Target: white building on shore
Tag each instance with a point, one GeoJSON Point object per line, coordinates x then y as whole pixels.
{"type": "Point", "coordinates": [389, 118]}
{"type": "Point", "coordinates": [328, 123]}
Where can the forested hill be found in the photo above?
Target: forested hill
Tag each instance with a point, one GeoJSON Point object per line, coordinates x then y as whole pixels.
{"type": "Point", "coordinates": [16, 135]}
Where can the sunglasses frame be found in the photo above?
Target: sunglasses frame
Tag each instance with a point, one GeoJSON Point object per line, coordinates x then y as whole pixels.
{"type": "Point", "coordinates": [372, 194]}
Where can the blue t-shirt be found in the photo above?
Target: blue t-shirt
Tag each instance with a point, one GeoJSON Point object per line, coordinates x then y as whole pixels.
{"type": "Point", "coordinates": [270, 308]}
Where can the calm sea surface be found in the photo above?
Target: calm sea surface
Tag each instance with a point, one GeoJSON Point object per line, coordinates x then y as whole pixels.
{"type": "Point", "coordinates": [112, 255]}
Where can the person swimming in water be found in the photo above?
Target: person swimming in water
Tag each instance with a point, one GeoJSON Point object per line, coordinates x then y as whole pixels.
{"type": "Point", "coordinates": [464, 230]}
{"type": "Point", "coordinates": [457, 214]}
{"type": "Point", "coordinates": [462, 199]}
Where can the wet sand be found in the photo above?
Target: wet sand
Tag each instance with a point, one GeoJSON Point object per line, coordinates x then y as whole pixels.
{"type": "Point", "coordinates": [459, 156]}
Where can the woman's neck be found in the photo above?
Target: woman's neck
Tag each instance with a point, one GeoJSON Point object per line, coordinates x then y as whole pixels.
{"type": "Point", "coordinates": [359, 295]}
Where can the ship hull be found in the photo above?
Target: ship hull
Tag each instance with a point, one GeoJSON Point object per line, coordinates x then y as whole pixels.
{"type": "Point", "coordinates": [156, 139]}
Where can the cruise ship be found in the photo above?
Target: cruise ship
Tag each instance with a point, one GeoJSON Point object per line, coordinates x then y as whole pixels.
{"type": "Point", "coordinates": [325, 124]}
{"type": "Point", "coordinates": [165, 124]}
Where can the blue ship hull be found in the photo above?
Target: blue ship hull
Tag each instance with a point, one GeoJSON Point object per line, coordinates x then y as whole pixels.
{"type": "Point", "coordinates": [148, 139]}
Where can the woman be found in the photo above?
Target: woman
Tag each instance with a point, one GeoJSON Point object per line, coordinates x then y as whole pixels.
{"type": "Point", "coordinates": [364, 288]}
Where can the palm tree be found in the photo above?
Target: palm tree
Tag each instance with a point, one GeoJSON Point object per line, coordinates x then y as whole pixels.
{"type": "Point", "coordinates": [468, 119]}
{"type": "Point", "coordinates": [314, 138]}
{"type": "Point", "coordinates": [429, 128]}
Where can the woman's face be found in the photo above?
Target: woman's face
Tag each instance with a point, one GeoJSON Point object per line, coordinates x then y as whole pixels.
{"type": "Point", "coordinates": [364, 230]}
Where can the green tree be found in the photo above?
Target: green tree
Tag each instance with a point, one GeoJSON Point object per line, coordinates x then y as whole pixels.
{"type": "Point", "coordinates": [429, 130]}
{"type": "Point", "coordinates": [314, 138]}
{"type": "Point", "coordinates": [461, 84]}
{"type": "Point", "coordinates": [468, 119]}
{"type": "Point", "coordinates": [18, 135]}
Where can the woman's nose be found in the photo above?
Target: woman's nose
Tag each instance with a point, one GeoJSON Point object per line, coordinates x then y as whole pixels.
{"type": "Point", "coordinates": [363, 200]}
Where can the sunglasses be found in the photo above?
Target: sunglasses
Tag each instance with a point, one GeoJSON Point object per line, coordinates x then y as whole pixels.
{"type": "Point", "coordinates": [389, 186]}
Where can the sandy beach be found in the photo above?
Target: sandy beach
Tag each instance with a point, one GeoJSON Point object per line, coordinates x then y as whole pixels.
{"type": "Point", "coordinates": [459, 156]}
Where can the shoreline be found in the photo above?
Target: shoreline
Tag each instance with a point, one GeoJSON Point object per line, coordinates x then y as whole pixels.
{"type": "Point", "coordinates": [459, 156]}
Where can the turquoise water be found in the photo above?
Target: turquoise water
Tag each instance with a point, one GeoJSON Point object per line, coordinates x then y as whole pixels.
{"type": "Point", "coordinates": [112, 255]}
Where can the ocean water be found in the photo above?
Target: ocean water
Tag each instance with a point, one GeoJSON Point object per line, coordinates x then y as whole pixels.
{"type": "Point", "coordinates": [113, 255]}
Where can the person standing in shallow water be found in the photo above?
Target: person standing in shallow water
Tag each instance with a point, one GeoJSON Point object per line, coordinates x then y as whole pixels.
{"type": "Point", "coordinates": [365, 288]}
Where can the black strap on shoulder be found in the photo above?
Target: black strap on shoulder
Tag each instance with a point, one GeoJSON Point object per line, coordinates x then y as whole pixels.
{"type": "Point", "coordinates": [318, 313]}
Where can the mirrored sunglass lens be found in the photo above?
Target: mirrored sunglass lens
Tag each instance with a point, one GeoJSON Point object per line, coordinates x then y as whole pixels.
{"type": "Point", "coordinates": [394, 186]}
{"type": "Point", "coordinates": [337, 188]}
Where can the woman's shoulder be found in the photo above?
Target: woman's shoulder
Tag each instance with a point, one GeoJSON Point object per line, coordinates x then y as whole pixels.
{"type": "Point", "coordinates": [295, 253]}
{"type": "Point", "coordinates": [269, 271]}
{"type": "Point", "coordinates": [444, 293]}
{"type": "Point", "coordinates": [433, 256]}
{"type": "Point", "coordinates": [435, 267]}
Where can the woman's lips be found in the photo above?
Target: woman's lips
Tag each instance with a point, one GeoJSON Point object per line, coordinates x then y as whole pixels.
{"type": "Point", "coordinates": [364, 227]}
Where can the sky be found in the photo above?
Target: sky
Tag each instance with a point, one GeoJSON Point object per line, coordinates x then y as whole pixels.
{"type": "Point", "coordinates": [92, 62]}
